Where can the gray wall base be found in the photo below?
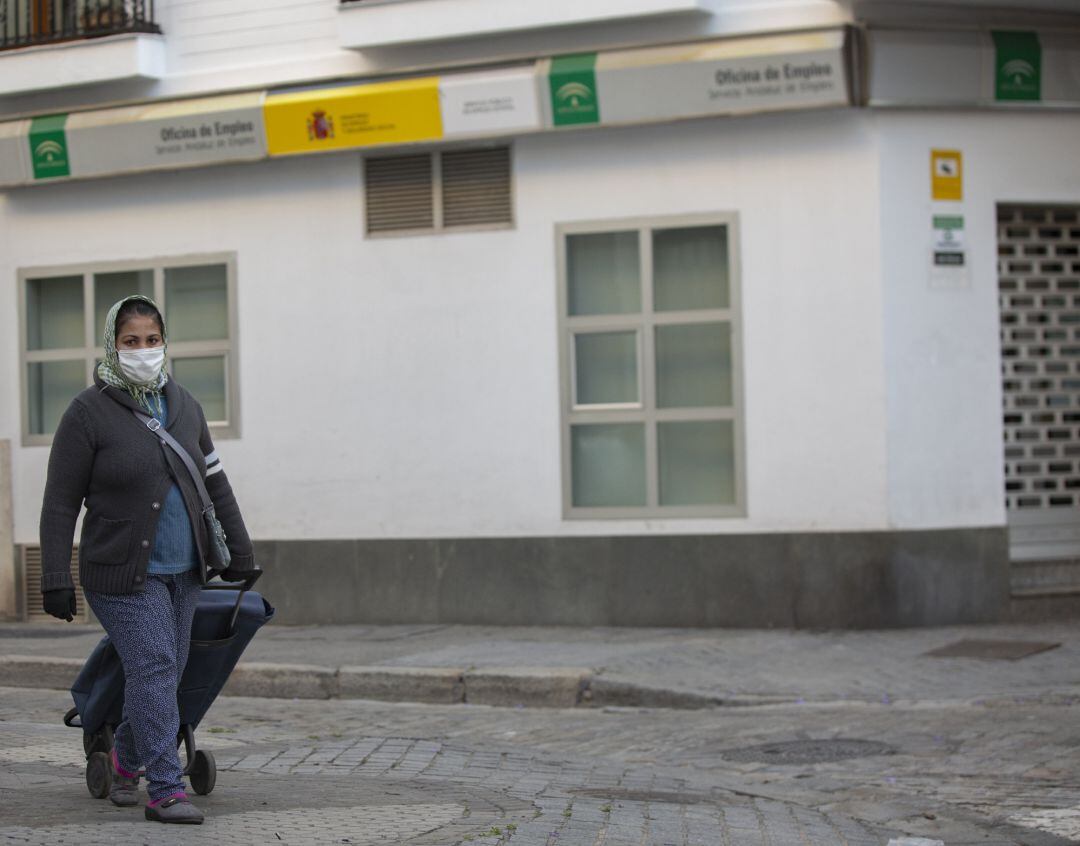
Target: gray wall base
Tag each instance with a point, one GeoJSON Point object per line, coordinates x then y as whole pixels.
{"type": "Point", "coordinates": [803, 580]}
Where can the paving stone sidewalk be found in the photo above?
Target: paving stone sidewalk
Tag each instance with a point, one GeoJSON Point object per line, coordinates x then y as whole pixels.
{"type": "Point", "coordinates": [652, 667]}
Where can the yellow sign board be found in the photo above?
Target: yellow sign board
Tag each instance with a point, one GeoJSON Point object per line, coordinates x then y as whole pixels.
{"type": "Point", "coordinates": [353, 116]}
{"type": "Point", "coordinates": [946, 175]}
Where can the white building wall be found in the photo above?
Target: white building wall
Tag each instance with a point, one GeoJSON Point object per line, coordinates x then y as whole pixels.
{"type": "Point", "coordinates": [942, 350]}
{"type": "Point", "coordinates": [221, 45]}
{"type": "Point", "coordinates": [408, 387]}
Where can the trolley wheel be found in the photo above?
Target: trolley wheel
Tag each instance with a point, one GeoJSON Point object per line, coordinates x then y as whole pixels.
{"type": "Point", "coordinates": [98, 775]}
{"type": "Point", "coordinates": [96, 742]}
{"type": "Point", "coordinates": [203, 774]}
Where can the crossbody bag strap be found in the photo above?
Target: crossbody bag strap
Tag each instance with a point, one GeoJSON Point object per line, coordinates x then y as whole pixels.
{"type": "Point", "coordinates": [154, 425]}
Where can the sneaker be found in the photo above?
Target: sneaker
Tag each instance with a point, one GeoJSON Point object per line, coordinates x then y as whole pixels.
{"type": "Point", "coordinates": [125, 786]}
{"type": "Point", "coordinates": [173, 809]}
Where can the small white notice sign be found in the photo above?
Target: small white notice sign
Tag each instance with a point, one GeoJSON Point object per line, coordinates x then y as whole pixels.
{"type": "Point", "coordinates": [948, 256]}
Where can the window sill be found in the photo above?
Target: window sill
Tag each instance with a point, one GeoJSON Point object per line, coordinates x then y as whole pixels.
{"type": "Point", "coordinates": [389, 23]}
{"type": "Point", "coordinates": [82, 62]}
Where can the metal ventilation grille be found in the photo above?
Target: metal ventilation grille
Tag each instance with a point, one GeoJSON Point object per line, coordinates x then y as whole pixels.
{"type": "Point", "coordinates": [400, 193]}
{"type": "Point", "coordinates": [31, 567]}
{"type": "Point", "coordinates": [476, 187]}
{"type": "Point", "coordinates": [1039, 291]}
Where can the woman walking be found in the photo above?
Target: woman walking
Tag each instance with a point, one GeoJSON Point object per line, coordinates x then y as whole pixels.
{"type": "Point", "coordinates": [144, 545]}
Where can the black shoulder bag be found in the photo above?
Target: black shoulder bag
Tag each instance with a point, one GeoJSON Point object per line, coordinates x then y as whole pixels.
{"type": "Point", "coordinates": [217, 558]}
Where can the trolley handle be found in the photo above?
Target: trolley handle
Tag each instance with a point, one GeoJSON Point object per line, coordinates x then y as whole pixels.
{"type": "Point", "coordinates": [247, 584]}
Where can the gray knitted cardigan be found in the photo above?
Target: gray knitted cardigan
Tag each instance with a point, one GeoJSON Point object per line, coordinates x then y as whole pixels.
{"type": "Point", "coordinates": [102, 454]}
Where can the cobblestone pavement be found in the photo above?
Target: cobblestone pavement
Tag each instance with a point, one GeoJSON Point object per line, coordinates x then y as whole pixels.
{"type": "Point", "coordinates": [998, 771]}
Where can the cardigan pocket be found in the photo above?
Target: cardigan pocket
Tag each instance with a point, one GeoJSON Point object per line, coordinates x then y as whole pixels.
{"type": "Point", "coordinates": [107, 541]}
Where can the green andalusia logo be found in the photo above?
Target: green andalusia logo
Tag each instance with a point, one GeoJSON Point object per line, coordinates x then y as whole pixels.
{"type": "Point", "coordinates": [1018, 66]}
{"type": "Point", "coordinates": [575, 96]}
{"type": "Point", "coordinates": [48, 147]}
{"type": "Point", "coordinates": [573, 90]}
{"type": "Point", "coordinates": [1018, 72]}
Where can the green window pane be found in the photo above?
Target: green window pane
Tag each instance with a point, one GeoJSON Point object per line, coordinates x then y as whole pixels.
{"type": "Point", "coordinates": [603, 273]}
{"type": "Point", "coordinates": [110, 288]}
{"type": "Point", "coordinates": [51, 385]}
{"type": "Point", "coordinates": [54, 313]}
{"type": "Point", "coordinates": [690, 268]}
{"type": "Point", "coordinates": [605, 366]}
{"type": "Point", "coordinates": [608, 465]}
{"type": "Point", "coordinates": [697, 462]}
{"type": "Point", "coordinates": [693, 365]}
{"type": "Point", "coordinates": [196, 303]}
{"type": "Point", "coordinates": [205, 379]}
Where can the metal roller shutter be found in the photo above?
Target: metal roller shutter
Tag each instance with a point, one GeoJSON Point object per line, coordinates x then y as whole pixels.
{"type": "Point", "coordinates": [1039, 294]}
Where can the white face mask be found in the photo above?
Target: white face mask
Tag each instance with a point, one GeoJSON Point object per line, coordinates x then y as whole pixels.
{"type": "Point", "coordinates": [142, 367]}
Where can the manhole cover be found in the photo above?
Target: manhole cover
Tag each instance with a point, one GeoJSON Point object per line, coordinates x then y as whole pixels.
{"type": "Point", "coordinates": [807, 751]}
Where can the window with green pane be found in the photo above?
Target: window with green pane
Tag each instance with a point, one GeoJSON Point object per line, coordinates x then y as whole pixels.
{"type": "Point", "coordinates": [204, 377]}
{"type": "Point", "coordinates": [608, 465]}
{"type": "Point", "coordinates": [603, 273]}
{"type": "Point", "coordinates": [63, 319]}
{"type": "Point", "coordinates": [697, 462]}
{"type": "Point", "coordinates": [50, 387]}
{"type": "Point", "coordinates": [196, 302]}
{"type": "Point", "coordinates": [606, 368]}
{"type": "Point", "coordinates": [55, 318]}
{"type": "Point", "coordinates": [690, 268]}
{"type": "Point", "coordinates": [693, 365]}
{"type": "Point", "coordinates": [652, 426]}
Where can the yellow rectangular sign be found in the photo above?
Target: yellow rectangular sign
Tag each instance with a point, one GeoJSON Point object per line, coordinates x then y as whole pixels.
{"type": "Point", "coordinates": [353, 116]}
{"type": "Point", "coordinates": [946, 175]}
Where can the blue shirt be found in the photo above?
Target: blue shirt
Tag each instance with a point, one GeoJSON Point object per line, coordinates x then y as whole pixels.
{"type": "Point", "coordinates": [174, 545]}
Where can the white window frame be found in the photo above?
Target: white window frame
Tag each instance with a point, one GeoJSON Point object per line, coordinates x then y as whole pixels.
{"type": "Point", "coordinates": [644, 323]}
{"type": "Point", "coordinates": [91, 352]}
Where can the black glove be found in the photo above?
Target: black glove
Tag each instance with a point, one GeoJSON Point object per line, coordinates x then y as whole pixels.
{"type": "Point", "coordinates": [231, 575]}
{"type": "Point", "coordinates": [60, 603]}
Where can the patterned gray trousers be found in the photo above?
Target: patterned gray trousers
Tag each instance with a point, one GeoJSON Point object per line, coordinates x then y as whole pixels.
{"type": "Point", "coordinates": [151, 632]}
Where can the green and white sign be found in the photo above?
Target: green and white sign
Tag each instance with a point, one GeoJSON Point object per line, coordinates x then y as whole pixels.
{"type": "Point", "coordinates": [1017, 66]}
{"type": "Point", "coordinates": [48, 147]}
{"type": "Point", "coordinates": [574, 97]}
{"type": "Point", "coordinates": [948, 232]}
{"type": "Point", "coordinates": [948, 256]}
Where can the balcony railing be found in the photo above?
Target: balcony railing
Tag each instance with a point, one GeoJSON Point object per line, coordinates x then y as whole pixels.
{"type": "Point", "coordinates": [24, 23]}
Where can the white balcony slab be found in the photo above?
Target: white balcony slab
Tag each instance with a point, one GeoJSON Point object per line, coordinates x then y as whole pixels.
{"type": "Point", "coordinates": [387, 23]}
{"type": "Point", "coordinates": [83, 62]}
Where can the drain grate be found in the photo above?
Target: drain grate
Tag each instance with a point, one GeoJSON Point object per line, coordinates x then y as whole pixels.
{"type": "Point", "coordinates": [807, 751]}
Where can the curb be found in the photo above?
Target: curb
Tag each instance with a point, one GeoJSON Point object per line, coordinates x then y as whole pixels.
{"type": "Point", "coordinates": [534, 687]}
{"type": "Point", "coordinates": [35, 671]}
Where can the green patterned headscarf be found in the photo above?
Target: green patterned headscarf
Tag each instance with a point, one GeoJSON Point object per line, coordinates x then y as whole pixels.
{"type": "Point", "coordinates": [109, 369]}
